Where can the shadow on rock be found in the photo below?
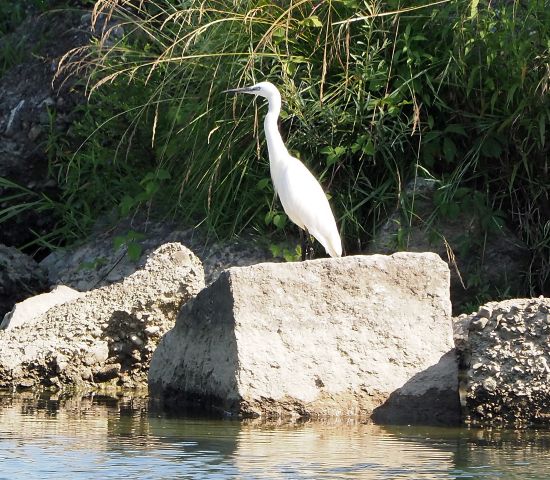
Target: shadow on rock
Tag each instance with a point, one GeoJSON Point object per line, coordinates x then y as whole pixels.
{"type": "Point", "coordinates": [413, 403]}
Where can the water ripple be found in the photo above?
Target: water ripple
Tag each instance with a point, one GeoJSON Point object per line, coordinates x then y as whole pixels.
{"type": "Point", "coordinates": [89, 438]}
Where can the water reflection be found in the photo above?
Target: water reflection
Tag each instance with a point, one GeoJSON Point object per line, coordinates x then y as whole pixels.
{"type": "Point", "coordinates": [99, 437]}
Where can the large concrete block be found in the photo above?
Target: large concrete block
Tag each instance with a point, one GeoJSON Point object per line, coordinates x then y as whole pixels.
{"type": "Point", "coordinates": [350, 336]}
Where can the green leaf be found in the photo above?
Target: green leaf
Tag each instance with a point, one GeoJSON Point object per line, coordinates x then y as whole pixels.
{"type": "Point", "coordinates": [542, 128]}
{"type": "Point", "coordinates": [163, 174]}
{"type": "Point", "coordinates": [275, 250]}
{"type": "Point", "coordinates": [134, 251]}
{"type": "Point", "coordinates": [491, 148]}
{"type": "Point", "coordinates": [349, 3]}
{"type": "Point", "coordinates": [151, 188]}
{"type": "Point", "coordinates": [262, 184]}
{"type": "Point", "coordinates": [288, 255]}
{"type": "Point", "coordinates": [126, 204]}
{"type": "Point", "coordinates": [148, 178]}
{"type": "Point", "coordinates": [449, 149]}
{"type": "Point", "coordinates": [368, 149]}
{"type": "Point", "coordinates": [119, 241]}
{"type": "Point", "coordinates": [340, 151]}
{"type": "Point", "coordinates": [279, 33]}
{"type": "Point", "coordinates": [333, 154]}
{"type": "Point", "coordinates": [462, 192]}
{"type": "Point", "coordinates": [473, 8]}
{"type": "Point", "coordinates": [279, 220]}
{"type": "Point", "coordinates": [429, 153]}
{"type": "Point", "coordinates": [439, 198]}
{"type": "Point", "coordinates": [450, 209]}
{"type": "Point", "coordinates": [431, 136]}
{"type": "Point", "coordinates": [455, 128]}
{"type": "Point", "coordinates": [511, 92]}
{"type": "Point", "coordinates": [133, 235]}
{"type": "Point", "coordinates": [312, 21]}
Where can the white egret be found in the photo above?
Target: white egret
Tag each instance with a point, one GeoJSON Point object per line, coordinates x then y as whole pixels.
{"type": "Point", "coordinates": [303, 199]}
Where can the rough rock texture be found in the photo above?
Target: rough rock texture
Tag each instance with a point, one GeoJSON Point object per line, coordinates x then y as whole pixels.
{"type": "Point", "coordinates": [507, 360]}
{"type": "Point", "coordinates": [30, 105]}
{"type": "Point", "coordinates": [20, 278]}
{"type": "Point", "coordinates": [30, 310]}
{"type": "Point", "coordinates": [97, 263]}
{"type": "Point", "coordinates": [106, 337]}
{"type": "Point", "coordinates": [35, 104]}
{"type": "Point", "coordinates": [496, 262]}
{"type": "Point", "coordinates": [345, 336]}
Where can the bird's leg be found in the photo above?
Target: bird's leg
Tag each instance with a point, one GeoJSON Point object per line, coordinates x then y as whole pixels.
{"type": "Point", "coordinates": [303, 242]}
{"type": "Point", "coordinates": [307, 247]}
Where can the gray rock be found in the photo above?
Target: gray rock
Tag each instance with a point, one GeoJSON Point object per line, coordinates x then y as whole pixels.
{"type": "Point", "coordinates": [497, 262]}
{"type": "Point", "coordinates": [506, 377]}
{"type": "Point", "coordinates": [29, 311]}
{"type": "Point", "coordinates": [29, 108]}
{"type": "Point", "coordinates": [20, 277]}
{"type": "Point", "coordinates": [97, 263]}
{"type": "Point", "coordinates": [348, 336]}
{"type": "Point", "coordinates": [109, 334]}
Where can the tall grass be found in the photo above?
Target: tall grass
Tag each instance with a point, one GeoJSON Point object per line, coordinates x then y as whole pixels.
{"type": "Point", "coordinates": [340, 112]}
{"type": "Point", "coordinates": [375, 95]}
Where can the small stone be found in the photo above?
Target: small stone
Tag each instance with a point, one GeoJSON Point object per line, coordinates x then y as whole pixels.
{"type": "Point", "coordinates": [485, 312]}
{"type": "Point", "coordinates": [26, 383]}
{"type": "Point", "coordinates": [86, 373]}
{"type": "Point", "coordinates": [135, 356]}
{"type": "Point", "coordinates": [495, 368]}
{"type": "Point", "coordinates": [98, 353]}
{"type": "Point", "coordinates": [62, 363]}
{"type": "Point", "coordinates": [106, 373]}
{"type": "Point", "coordinates": [152, 330]}
{"type": "Point", "coordinates": [55, 382]}
{"type": "Point", "coordinates": [479, 323]}
{"type": "Point", "coordinates": [34, 133]}
{"type": "Point", "coordinates": [489, 384]}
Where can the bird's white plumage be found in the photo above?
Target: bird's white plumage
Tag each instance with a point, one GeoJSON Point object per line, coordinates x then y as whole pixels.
{"type": "Point", "coordinates": [306, 204]}
{"type": "Point", "coordinates": [302, 196]}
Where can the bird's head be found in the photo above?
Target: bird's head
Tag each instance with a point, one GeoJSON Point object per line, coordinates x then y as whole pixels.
{"type": "Point", "coordinates": [262, 89]}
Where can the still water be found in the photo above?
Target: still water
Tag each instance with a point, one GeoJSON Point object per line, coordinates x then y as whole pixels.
{"type": "Point", "coordinates": [85, 438]}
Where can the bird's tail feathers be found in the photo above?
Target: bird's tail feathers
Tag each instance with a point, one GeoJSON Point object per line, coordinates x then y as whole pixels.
{"type": "Point", "coordinates": [331, 241]}
{"type": "Point", "coordinates": [334, 246]}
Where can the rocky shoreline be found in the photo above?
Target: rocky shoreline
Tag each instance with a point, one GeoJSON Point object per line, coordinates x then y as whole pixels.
{"type": "Point", "coordinates": [365, 335]}
{"type": "Point", "coordinates": [155, 310]}
{"type": "Point", "coordinates": [105, 337]}
{"type": "Point", "coordinates": [506, 360]}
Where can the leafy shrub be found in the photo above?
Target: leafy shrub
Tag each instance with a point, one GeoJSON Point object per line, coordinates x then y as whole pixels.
{"type": "Point", "coordinates": [376, 94]}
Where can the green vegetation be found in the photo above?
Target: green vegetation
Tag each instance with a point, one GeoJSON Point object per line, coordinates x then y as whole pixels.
{"type": "Point", "coordinates": [375, 95]}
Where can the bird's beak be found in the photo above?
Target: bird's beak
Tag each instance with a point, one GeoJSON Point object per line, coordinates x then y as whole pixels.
{"type": "Point", "coordinates": [242, 90]}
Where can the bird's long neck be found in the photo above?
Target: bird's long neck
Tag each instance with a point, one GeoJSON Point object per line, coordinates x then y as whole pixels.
{"type": "Point", "coordinates": [275, 146]}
